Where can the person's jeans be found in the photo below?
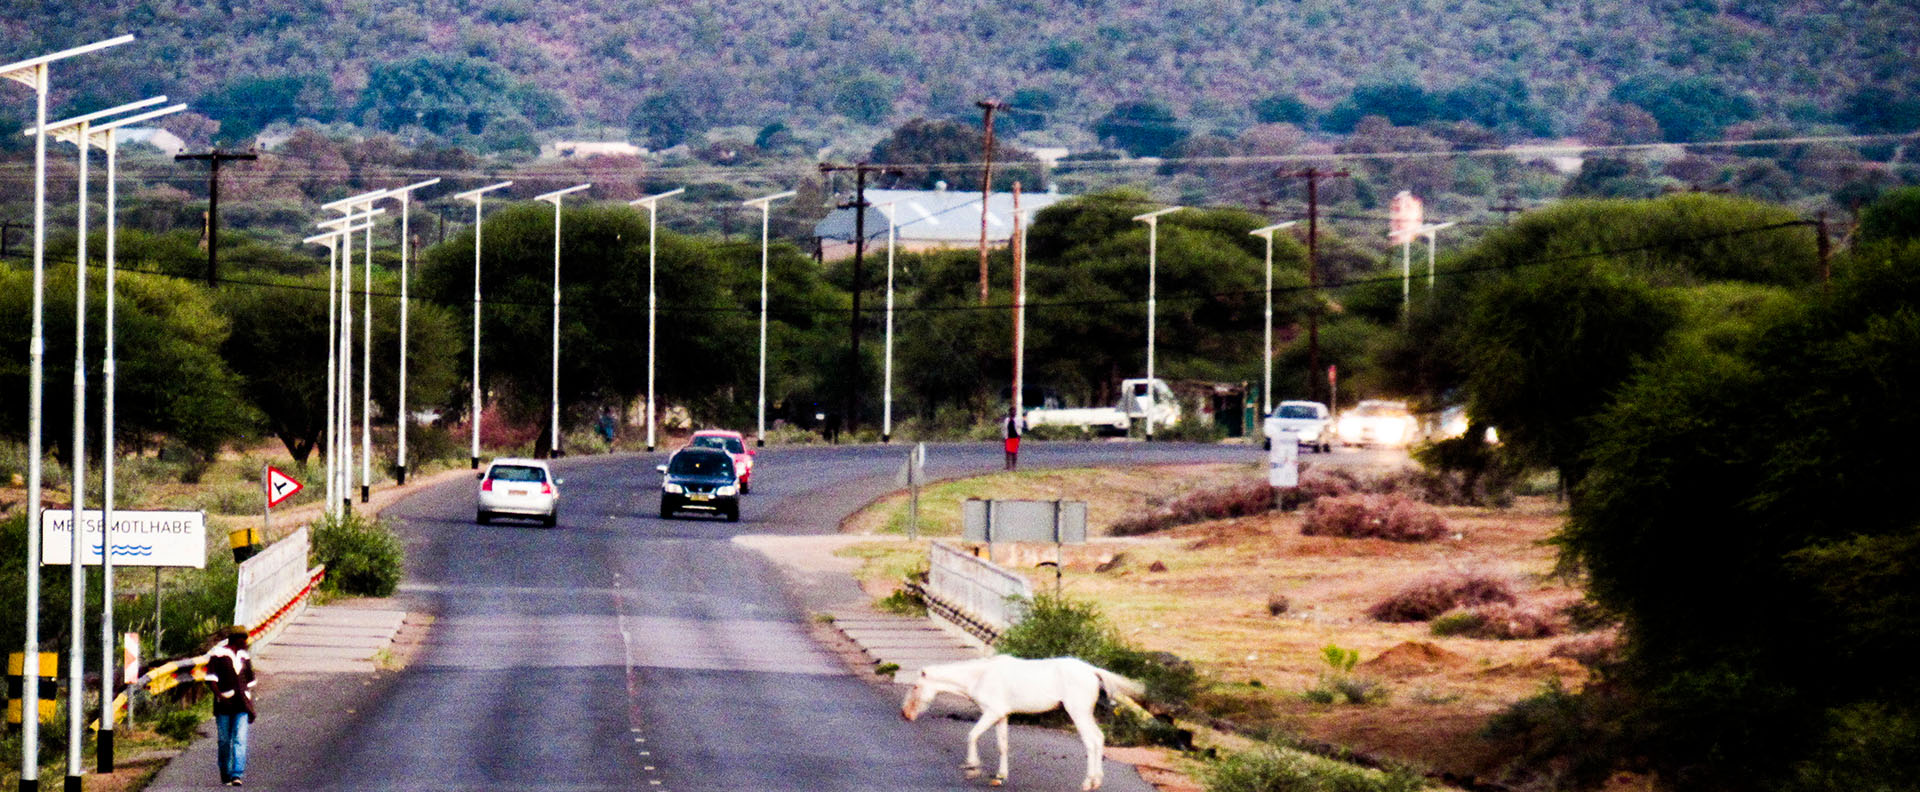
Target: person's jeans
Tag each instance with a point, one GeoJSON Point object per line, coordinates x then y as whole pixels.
{"type": "Point", "coordinates": [232, 732]}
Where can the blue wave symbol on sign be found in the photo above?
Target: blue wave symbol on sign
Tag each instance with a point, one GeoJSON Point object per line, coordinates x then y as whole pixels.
{"type": "Point", "coordinates": [128, 550]}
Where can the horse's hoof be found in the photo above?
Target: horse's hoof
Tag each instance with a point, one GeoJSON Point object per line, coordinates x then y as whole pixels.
{"type": "Point", "coordinates": [996, 781]}
{"type": "Point", "coordinates": [970, 772]}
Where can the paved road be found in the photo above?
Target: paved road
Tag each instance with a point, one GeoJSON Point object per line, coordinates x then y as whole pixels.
{"type": "Point", "coordinates": [620, 651]}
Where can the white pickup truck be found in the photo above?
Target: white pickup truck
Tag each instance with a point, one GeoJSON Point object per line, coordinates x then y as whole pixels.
{"type": "Point", "coordinates": [1139, 398]}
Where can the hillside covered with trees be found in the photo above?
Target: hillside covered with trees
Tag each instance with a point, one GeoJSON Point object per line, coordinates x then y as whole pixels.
{"type": "Point", "coordinates": [1080, 73]}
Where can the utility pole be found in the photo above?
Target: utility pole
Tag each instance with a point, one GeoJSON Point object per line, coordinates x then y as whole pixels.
{"type": "Point", "coordinates": [1507, 209]}
{"type": "Point", "coordinates": [214, 158]}
{"type": "Point", "coordinates": [1826, 251]}
{"type": "Point", "coordinates": [859, 207]}
{"type": "Point", "coordinates": [1313, 177]}
{"type": "Point", "coordinates": [986, 187]}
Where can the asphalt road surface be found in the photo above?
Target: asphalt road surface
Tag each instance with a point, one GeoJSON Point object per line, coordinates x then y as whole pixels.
{"type": "Point", "coordinates": [620, 651]}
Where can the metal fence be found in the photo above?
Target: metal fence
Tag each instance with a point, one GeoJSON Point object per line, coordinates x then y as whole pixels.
{"type": "Point", "coordinates": [980, 596]}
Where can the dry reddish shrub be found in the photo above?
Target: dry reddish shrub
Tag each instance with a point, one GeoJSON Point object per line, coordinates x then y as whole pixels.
{"type": "Point", "coordinates": [1394, 517]}
{"type": "Point", "coordinates": [1503, 621]}
{"type": "Point", "coordinates": [1592, 650]}
{"type": "Point", "coordinates": [1437, 594]}
{"type": "Point", "coordinates": [1237, 500]}
{"type": "Point", "coordinates": [1316, 483]}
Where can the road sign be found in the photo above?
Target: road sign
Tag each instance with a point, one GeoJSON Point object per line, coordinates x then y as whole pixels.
{"type": "Point", "coordinates": [280, 486]}
{"type": "Point", "coordinates": [1405, 215]}
{"type": "Point", "coordinates": [1023, 521]}
{"type": "Point", "coordinates": [1283, 461]}
{"type": "Point", "coordinates": [140, 538]}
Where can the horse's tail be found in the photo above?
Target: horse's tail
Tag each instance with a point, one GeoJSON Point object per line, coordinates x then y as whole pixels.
{"type": "Point", "coordinates": [1119, 687]}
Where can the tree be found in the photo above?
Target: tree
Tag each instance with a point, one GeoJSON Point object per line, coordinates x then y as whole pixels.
{"type": "Point", "coordinates": [1688, 109]}
{"type": "Point", "coordinates": [1282, 108]}
{"type": "Point", "coordinates": [1616, 123]}
{"type": "Point", "coordinates": [1142, 128]}
{"type": "Point", "coordinates": [866, 98]}
{"type": "Point", "coordinates": [1503, 104]}
{"type": "Point", "coordinates": [245, 105]}
{"type": "Point", "coordinates": [446, 95]}
{"type": "Point", "coordinates": [1875, 110]}
{"type": "Point", "coordinates": [1581, 294]}
{"type": "Point", "coordinates": [1895, 217]}
{"type": "Point", "coordinates": [1746, 515]}
{"type": "Point", "coordinates": [1402, 103]}
{"type": "Point", "coordinates": [172, 383]}
{"type": "Point", "coordinates": [945, 145]}
{"type": "Point", "coordinates": [278, 348]}
{"type": "Point", "coordinates": [1610, 177]}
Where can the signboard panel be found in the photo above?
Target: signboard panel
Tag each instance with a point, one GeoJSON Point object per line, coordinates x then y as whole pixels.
{"type": "Point", "coordinates": [1024, 521]}
{"type": "Point", "coordinates": [1283, 461]}
{"type": "Point", "coordinates": [140, 538]}
{"type": "Point", "coordinates": [280, 486]}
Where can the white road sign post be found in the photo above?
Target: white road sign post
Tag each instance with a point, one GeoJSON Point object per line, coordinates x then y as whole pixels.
{"type": "Point", "coordinates": [1283, 461]}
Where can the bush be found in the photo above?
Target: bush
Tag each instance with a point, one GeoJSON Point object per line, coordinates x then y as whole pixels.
{"type": "Point", "coordinates": [1056, 626]}
{"type": "Point", "coordinates": [362, 556]}
{"type": "Point", "coordinates": [1497, 621]}
{"type": "Point", "coordinates": [1272, 768]}
{"type": "Point", "coordinates": [1238, 500]}
{"type": "Point", "coordinates": [1437, 594]}
{"type": "Point", "coordinates": [903, 602]}
{"type": "Point", "coordinates": [1316, 483]}
{"type": "Point", "coordinates": [1392, 517]}
{"type": "Point", "coordinates": [1592, 650]}
{"type": "Point", "coordinates": [1338, 683]}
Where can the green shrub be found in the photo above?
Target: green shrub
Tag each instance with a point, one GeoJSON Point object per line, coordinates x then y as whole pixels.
{"type": "Point", "coordinates": [362, 556]}
{"type": "Point", "coordinates": [1338, 684]}
{"type": "Point", "coordinates": [1455, 622]}
{"type": "Point", "coordinates": [1273, 768]}
{"type": "Point", "coordinates": [903, 602]}
{"type": "Point", "coordinates": [1057, 626]}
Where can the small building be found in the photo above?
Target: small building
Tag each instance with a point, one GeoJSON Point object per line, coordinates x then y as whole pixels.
{"type": "Point", "coordinates": [937, 219]}
{"type": "Point", "coordinates": [168, 143]}
{"type": "Point", "coordinates": [582, 149]}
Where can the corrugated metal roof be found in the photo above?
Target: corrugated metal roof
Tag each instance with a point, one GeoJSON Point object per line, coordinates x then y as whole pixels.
{"type": "Point", "coordinates": [934, 215]}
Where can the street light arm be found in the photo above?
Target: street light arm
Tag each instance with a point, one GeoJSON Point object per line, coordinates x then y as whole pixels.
{"type": "Point", "coordinates": [20, 70]}
{"type": "Point", "coordinates": [58, 126]}
{"type": "Point", "coordinates": [554, 197]}
{"type": "Point", "coordinates": [474, 194]}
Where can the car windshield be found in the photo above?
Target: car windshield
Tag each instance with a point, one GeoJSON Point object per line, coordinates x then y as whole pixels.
{"type": "Point", "coordinates": [517, 473]}
{"type": "Point", "coordinates": [1296, 411]}
{"type": "Point", "coordinates": [730, 445]}
{"type": "Point", "coordinates": [1380, 410]}
{"type": "Point", "coordinates": [700, 465]}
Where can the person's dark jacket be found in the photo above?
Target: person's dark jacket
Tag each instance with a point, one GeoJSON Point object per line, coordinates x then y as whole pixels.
{"type": "Point", "coordinates": [232, 670]}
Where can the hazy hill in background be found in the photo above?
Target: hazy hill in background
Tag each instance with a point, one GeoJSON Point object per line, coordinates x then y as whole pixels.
{"type": "Point", "coordinates": [497, 74]}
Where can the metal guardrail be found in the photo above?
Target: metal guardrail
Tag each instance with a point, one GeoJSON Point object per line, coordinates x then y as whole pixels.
{"type": "Point", "coordinates": [980, 596]}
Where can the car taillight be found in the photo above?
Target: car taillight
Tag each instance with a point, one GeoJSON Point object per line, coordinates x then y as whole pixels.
{"type": "Point", "coordinates": [545, 488]}
{"type": "Point", "coordinates": [486, 486]}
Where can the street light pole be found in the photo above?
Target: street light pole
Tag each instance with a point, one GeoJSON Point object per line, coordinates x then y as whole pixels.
{"type": "Point", "coordinates": [764, 202]}
{"type": "Point", "coordinates": [77, 130]}
{"type": "Point", "coordinates": [404, 196]}
{"type": "Point", "coordinates": [339, 348]}
{"type": "Point", "coordinates": [1152, 219]}
{"type": "Point", "coordinates": [554, 197]}
{"type": "Point", "coordinates": [347, 205]}
{"type": "Point", "coordinates": [106, 136]}
{"type": "Point", "coordinates": [1433, 242]}
{"type": "Point", "coordinates": [886, 394]}
{"type": "Point", "coordinates": [1266, 346]}
{"type": "Point", "coordinates": [652, 202]}
{"type": "Point", "coordinates": [476, 196]}
{"type": "Point", "coordinates": [34, 73]}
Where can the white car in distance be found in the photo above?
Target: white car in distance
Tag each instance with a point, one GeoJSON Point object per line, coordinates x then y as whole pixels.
{"type": "Point", "coordinates": [515, 487]}
{"type": "Point", "coordinates": [1308, 421]}
{"type": "Point", "coordinates": [1378, 422]}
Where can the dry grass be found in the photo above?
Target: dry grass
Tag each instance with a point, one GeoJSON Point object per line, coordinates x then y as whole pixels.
{"type": "Point", "coordinates": [1211, 605]}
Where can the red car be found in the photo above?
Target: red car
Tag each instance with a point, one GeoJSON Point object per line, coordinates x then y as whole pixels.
{"type": "Point", "coordinates": [735, 444]}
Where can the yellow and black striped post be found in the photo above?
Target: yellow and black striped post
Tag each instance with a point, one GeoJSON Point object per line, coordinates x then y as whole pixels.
{"type": "Point", "coordinates": [49, 685]}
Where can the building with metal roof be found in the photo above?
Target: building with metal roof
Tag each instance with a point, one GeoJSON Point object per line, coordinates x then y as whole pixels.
{"type": "Point", "coordinates": [928, 220]}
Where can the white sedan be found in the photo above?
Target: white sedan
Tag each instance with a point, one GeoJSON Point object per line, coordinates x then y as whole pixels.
{"type": "Point", "coordinates": [513, 487]}
{"type": "Point", "coordinates": [1307, 421]}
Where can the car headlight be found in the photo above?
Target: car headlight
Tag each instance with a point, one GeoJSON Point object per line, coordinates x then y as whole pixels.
{"type": "Point", "coordinates": [729, 489]}
{"type": "Point", "coordinates": [672, 488]}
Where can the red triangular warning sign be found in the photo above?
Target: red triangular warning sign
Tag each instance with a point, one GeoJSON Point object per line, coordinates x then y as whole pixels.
{"type": "Point", "coordinates": [280, 486]}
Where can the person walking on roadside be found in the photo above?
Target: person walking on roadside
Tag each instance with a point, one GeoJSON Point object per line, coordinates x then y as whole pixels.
{"type": "Point", "coordinates": [231, 666]}
{"type": "Point", "coordinates": [1010, 432]}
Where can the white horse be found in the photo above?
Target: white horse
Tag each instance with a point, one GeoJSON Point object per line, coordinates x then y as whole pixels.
{"type": "Point", "coordinates": [1002, 685]}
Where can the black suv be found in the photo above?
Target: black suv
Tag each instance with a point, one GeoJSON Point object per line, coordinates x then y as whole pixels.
{"type": "Point", "coordinates": [700, 479]}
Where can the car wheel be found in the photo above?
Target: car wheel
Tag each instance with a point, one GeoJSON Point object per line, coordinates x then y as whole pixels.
{"type": "Point", "coordinates": [733, 513]}
{"type": "Point", "coordinates": [552, 519]}
{"type": "Point", "coordinates": [666, 509]}
{"type": "Point", "coordinates": [482, 518]}
{"type": "Point", "coordinates": [745, 486]}
{"type": "Point", "coordinates": [1267, 444]}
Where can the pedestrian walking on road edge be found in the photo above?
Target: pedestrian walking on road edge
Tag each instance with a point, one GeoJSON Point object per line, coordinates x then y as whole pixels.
{"type": "Point", "coordinates": [231, 666]}
{"type": "Point", "coordinates": [1010, 430]}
